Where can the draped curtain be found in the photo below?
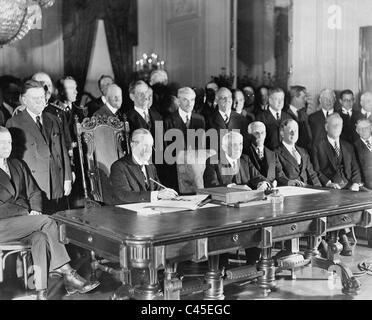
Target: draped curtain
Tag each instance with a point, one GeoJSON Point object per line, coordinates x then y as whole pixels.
{"type": "Point", "coordinates": [79, 30]}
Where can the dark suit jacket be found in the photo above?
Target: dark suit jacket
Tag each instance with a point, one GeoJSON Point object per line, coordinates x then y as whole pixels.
{"type": "Point", "coordinates": [46, 157]}
{"type": "Point", "coordinates": [128, 183]}
{"type": "Point", "coordinates": [304, 131]}
{"type": "Point", "coordinates": [136, 121]}
{"type": "Point", "coordinates": [349, 133]}
{"type": "Point", "coordinates": [272, 127]}
{"type": "Point", "coordinates": [364, 157]}
{"type": "Point", "coordinates": [94, 106]}
{"type": "Point", "coordinates": [269, 167]}
{"type": "Point", "coordinates": [236, 122]}
{"type": "Point", "coordinates": [20, 194]}
{"type": "Point", "coordinates": [4, 115]}
{"type": "Point", "coordinates": [324, 162]}
{"type": "Point", "coordinates": [106, 112]}
{"type": "Point", "coordinates": [292, 171]}
{"type": "Point", "coordinates": [317, 125]}
{"type": "Point", "coordinates": [218, 173]}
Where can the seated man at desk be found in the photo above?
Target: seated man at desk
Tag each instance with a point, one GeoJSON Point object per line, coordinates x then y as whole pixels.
{"type": "Point", "coordinates": [233, 168]}
{"type": "Point", "coordinates": [133, 178]}
{"type": "Point", "coordinates": [21, 219]}
{"type": "Point", "coordinates": [337, 166]}
{"type": "Point", "coordinates": [265, 160]}
{"type": "Point", "coordinates": [295, 161]}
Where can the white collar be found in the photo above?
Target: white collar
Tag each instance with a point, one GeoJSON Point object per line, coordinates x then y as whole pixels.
{"type": "Point", "coordinates": [332, 141]}
{"type": "Point", "coordinates": [329, 112]}
{"type": "Point", "coordinates": [366, 113]}
{"type": "Point", "coordinates": [230, 160]}
{"type": "Point", "coordinates": [224, 113]}
{"type": "Point", "coordinates": [289, 147]}
{"type": "Point", "coordinates": [348, 112]}
{"type": "Point", "coordinates": [103, 98]}
{"type": "Point", "coordinates": [141, 111]}
{"type": "Point", "coordinates": [273, 112]}
{"type": "Point", "coordinates": [293, 109]}
{"type": "Point", "coordinates": [368, 140]}
{"type": "Point", "coordinates": [140, 163]}
{"type": "Point", "coordinates": [183, 115]}
{"type": "Point", "coordinates": [33, 116]}
{"type": "Point", "coordinates": [111, 108]}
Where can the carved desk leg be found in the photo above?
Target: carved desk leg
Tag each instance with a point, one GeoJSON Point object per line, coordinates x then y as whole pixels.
{"type": "Point", "coordinates": [214, 278]}
{"type": "Point", "coordinates": [266, 263]}
{"type": "Point", "coordinates": [350, 285]}
{"type": "Point", "coordinates": [172, 285]}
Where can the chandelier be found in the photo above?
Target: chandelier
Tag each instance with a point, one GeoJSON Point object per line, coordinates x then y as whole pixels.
{"type": "Point", "coordinates": [149, 62]}
{"type": "Point", "coordinates": [18, 17]}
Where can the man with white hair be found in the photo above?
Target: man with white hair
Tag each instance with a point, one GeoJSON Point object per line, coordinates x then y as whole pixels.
{"type": "Point", "coordinates": [132, 177]}
{"type": "Point", "coordinates": [336, 164]}
{"type": "Point", "coordinates": [232, 168]}
{"type": "Point", "coordinates": [113, 102]}
{"type": "Point", "coordinates": [264, 160]}
{"type": "Point", "coordinates": [295, 161]}
{"type": "Point", "coordinates": [142, 115]}
{"type": "Point", "coordinates": [159, 77]}
{"type": "Point", "coordinates": [363, 147]}
{"type": "Point", "coordinates": [317, 120]}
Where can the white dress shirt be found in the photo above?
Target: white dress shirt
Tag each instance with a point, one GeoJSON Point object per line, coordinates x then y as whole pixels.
{"type": "Point", "coordinates": [348, 112]}
{"type": "Point", "coordinates": [144, 113]}
{"type": "Point", "coordinates": [184, 115]}
{"type": "Point", "coordinates": [33, 116]}
{"type": "Point", "coordinates": [224, 114]}
{"type": "Point", "coordinates": [329, 112]}
{"type": "Point", "coordinates": [294, 110]}
{"type": "Point", "coordinates": [273, 112]}
{"type": "Point", "coordinates": [154, 194]}
{"type": "Point", "coordinates": [364, 112]}
{"type": "Point", "coordinates": [292, 150]}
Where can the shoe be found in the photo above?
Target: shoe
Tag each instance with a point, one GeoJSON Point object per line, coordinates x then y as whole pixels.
{"type": "Point", "coordinates": [347, 250]}
{"type": "Point", "coordinates": [42, 294]}
{"type": "Point", "coordinates": [75, 283]}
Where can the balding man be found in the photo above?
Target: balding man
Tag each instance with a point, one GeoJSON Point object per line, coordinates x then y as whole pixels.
{"type": "Point", "coordinates": [142, 116]}
{"type": "Point", "coordinates": [114, 99]}
{"type": "Point", "coordinates": [295, 161]}
{"type": "Point", "coordinates": [40, 143]}
{"type": "Point", "coordinates": [232, 168]}
{"type": "Point", "coordinates": [264, 160]}
{"type": "Point", "coordinates": [132, 177]}
{"type": "Point", "coordinates": [273, 117]}
{"type": "Point", "coordinates": [317, 120]}
{"type": "Point", "coordinates": [336, 164]}
{"type": "Point", "coordinates": [363, 147]}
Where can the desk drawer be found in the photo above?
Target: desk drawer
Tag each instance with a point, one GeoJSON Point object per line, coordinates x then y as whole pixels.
{"type": "Point", "coordinates": [234, 240]}
{"type": "Point", "coordinates": [292, 230]}
{"type": "Point", "coordinates": [345, 220]}
{"type": "Point", "coordinates": [91, 241]}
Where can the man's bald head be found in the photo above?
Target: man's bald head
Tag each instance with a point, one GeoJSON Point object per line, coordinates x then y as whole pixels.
{"type": "Point", "coordinates": [334, 125]}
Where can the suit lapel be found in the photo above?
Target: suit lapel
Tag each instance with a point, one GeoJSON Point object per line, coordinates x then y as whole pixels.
{"type": "Point", "coordinates": [6, 182]}
{"type": "Point", "coordinates": [137, 173]}
{"type": "Point", "coordinates": [32, 127]}
{"type": "Point", "coordinates": [15, 177]}
{"type": "Point", "coordinates": [47, 128]}
{"type": "Point", "coordinates": [285, 154]}
{"type": "Point", "coordinates": [290, 112]}
{"type": "Point", "coordinates": [219, 121]}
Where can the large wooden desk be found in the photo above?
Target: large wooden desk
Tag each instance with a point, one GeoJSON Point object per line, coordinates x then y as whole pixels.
{"type": "Point", "coordinates": [159, 242]}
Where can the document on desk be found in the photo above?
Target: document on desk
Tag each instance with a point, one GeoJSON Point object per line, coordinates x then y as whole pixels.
{"type": "Point", "coordinates": [298, 191]}
{"type": "Point", "coordinates": [182, 203]}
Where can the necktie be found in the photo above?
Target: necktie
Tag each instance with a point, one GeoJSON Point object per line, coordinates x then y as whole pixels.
{"type": "Point", "coordinates": [226, 118]}
{"type": "Point", "coordinates": [369, 145]}
{"type": "Point", "coordinates": [234, 167]}
{"type": "Point", "coordinates": [296, 155]}
{"type": "Point", "coordinates": [277, 116]}
{"type": "Point", "coordinates": [337, 149]}
{"type": "Point", "coordinates": [146, 117]}
{"type": "Point", "coordinates": [143, 169]}
{"type": "Point", "coordinates": [6, 168]}
{"type": "Point", "coordinates": [187, 121]}
{"type": "Point", "coordinates": [327, 114]}
{"type": "Point", "coordinates": [260, 153]}
{"type": "Point", "coordinates": [38, 123]}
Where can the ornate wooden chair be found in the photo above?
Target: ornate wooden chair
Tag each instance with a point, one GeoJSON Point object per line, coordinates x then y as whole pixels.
{"type": "Point", "coordinates": [101, 141]}
{"type": "Point", "coordinates": [190, 169]}
{"type": "Point", "coordinates": [10, 248]}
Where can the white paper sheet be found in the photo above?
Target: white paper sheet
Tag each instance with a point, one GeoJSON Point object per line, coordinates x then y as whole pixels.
{"type": "Point", "coordinates": [297, 191]}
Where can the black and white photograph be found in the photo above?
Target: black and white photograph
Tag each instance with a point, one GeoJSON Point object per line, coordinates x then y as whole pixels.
{"type": "Point", "coordinates": [199, 151]}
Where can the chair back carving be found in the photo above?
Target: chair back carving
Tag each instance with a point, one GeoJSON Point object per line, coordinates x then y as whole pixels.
{"type": "Point", "coordinates": [101, 141]}
{"type": "Point", "coordinates": [191, 165]}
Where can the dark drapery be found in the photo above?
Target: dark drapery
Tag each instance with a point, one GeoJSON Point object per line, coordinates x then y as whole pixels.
{"type": "Point", "coordinates": [79, 30]}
